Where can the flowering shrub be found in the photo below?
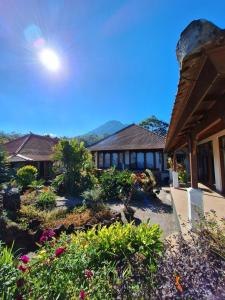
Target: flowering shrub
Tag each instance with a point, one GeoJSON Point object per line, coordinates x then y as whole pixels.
{"type": "Point", "coordinates": [91, 265]}
{"type": "Point", "coordinates": [120, 262]}
{"type": "Point", "coordinates": [145, 180]}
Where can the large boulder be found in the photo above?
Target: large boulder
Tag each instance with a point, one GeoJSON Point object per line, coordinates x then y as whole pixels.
{"type": "Point", "coordinates": [11, 199]}
{"type": "Point", "coordinates": [195, 35]}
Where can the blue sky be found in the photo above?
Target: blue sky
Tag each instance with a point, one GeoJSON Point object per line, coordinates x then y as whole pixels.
{"type": "Point", "coordinates": [117, 59]}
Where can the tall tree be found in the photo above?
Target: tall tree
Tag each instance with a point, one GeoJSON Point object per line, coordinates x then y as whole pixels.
{"type": "Point", "coordinates": [73, 158]}
{"type": "Point", "coordinates": [155, 125]}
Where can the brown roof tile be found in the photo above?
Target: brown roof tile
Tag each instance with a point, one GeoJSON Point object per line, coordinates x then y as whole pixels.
{"type": "Point", "coordinates": [132, 137]}
{"type": "Point", "coordinates": [32, 146]}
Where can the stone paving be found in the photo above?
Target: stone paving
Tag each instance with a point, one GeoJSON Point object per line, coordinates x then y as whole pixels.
{"type": "Point", "coordinates": [157, 211]}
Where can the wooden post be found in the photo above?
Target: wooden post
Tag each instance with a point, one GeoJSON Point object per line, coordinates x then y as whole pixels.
{"type": "Point", "coordinates": [174, 162]}
{"type": "Point", "coordinates": [192, 148]}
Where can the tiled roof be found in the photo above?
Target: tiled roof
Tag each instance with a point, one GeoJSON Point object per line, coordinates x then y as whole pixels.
{"type": "Point", "coordinates": [31, 147]}
{"type": "Point", "coordinates": [132, 137]}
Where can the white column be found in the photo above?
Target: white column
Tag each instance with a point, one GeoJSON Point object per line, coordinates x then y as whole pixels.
{"type": "Point", "coordinates": [175, 179]}
{"type": "Point", "coordinates": [217, 166]}
{"type": "Point", "coordinates": [195, 205]}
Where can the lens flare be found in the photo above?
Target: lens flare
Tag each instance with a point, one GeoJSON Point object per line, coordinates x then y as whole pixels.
{"type": "Point", "coordinates": [49, 59]}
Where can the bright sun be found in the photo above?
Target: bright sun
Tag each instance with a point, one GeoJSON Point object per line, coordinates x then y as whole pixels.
{"type": "Point", "coordinates": [49, 59]}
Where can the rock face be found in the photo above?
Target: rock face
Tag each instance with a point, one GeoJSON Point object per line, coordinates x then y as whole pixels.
{"type": "Point", "coordinates": [195, 35]}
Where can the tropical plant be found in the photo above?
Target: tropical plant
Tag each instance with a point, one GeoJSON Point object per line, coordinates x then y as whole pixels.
{"type": "Point", "coordinates": [182, 173]}
{"type": "Point", "coordinates": [26, 175]}
{"type": "Point", "coordinates": [93, 198]}
{"type": "Point", "coordinates": [72, 159]}
{"type": "Point", "coordinates": [37, 184]}
{"type": "Point", "coordinates": [46, 199]}
{"type": "Point", "coordinates": [58, 184]}
{"type": "Point", "coordinates": [9, 273]}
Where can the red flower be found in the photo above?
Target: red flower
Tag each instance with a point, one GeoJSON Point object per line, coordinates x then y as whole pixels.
{"type": "Point", "coordinates": [82, 295]}
{"type": "Point", "coordinates": [22, 268]}
{"type": "Point", "coordinates": [19, 297]}
{"type": "Point", "coordinates": [88, 274]}
{"type": "Point", "coordinates": [59, 251]}
{"type": "Point", "coordinates": [25, 259]}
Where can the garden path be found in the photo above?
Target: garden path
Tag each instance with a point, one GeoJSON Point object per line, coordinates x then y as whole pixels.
{"type": "Point", "coordinates": [158, 211]}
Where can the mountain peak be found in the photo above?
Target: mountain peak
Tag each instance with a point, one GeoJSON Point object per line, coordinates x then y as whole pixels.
{"type": "Point", "coordinates": [108, 128]}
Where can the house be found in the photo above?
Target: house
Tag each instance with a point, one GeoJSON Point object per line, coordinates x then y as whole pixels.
{"type": "Point", "coordinates": [197, 123]}
{"type": "Point", "coordinates": [32, 149]}
{"type": "Point", "coordinates": [132, 147]}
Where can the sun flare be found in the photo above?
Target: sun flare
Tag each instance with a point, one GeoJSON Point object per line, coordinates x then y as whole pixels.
{"type": "Point", "coordinates": [49, 59]}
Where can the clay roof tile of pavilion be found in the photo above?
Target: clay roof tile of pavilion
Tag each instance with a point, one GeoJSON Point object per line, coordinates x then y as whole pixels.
{"type": "Point", "coordinates": [132, 137]}
{"type": "Point", "coordinates": [31, 147]}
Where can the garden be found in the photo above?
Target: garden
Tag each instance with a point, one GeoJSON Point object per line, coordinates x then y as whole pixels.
{"type": "Point", "coordinates": [89, 251]}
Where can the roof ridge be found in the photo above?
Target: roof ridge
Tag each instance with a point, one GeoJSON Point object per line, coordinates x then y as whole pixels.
{"type": "Point", "coordinates": [111, 135]}
{"type": "Point", "coordinates": [22, 145]}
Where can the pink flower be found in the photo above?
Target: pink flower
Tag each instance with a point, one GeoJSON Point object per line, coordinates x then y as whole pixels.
{"type": "Point", "coordinates": [22, 268]}
{"type": "Point", "coordinates": [25, 259]}
{"type": "Point", "coordinates": [19, 297]}
{"type": "Point", "coordinates": [82, 295]}
{"type": "Point", "coordinates": [59, 251]}
{"type": "Point", "coordinates": [46, 234]}
{"type": "Point", "coordinates": [88, 273]}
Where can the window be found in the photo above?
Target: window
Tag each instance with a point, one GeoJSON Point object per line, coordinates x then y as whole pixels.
{"type": "Point", "coordinates": [115, 159]}
{"type": "Point", "coordinates": [149, 160]}
{"type": "Point", "coordinates": [140, 160]}
{"type": "Point", "coordinates": [127, 159]}
{"type": "Point", "coordinates": [121, 161]}
{"type": "Point", "coordinates": [133, 160]}
{"type": "Point", "coordinates": [158, 160]}
{"type": "Point", "coordinates": [107, 160]}
{"type": "Point", "coordinates": [100, 160]}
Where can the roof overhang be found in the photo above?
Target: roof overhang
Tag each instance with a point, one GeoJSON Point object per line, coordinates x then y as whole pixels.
{"type": "Point", "coordinates": [199, 105]}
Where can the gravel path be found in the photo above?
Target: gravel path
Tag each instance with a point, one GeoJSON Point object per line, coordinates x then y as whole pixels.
{"type": "Point", "coordinates": [158, 211]}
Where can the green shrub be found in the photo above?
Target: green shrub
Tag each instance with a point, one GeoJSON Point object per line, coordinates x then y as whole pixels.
{"type": "Point", "coordinates": [117, 184]}
{"type": "Point", "coordinates": [9, 273]}
{"type": "Point", "coordinates": [99, 262]}
{"type": "Point", "coordinates": [37, 184]}
{"type": "Point", "coordinates": [46, 200]}
{"type": "Point", "coordinates": [58, 183]}
{"type": "Point", "coordinates": [26, 175]}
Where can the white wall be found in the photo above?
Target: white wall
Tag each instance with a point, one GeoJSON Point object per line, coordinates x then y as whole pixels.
{"type": "Point", "coordinates": [216, 155]}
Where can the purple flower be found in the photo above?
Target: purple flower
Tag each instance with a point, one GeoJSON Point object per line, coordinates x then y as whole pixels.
{"type": "Point", "coordinates": [25, 259]}
{"type": "Point", "coordinates": [20, 282]}
{"type": "Point", "coordinates": [46, 235]}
